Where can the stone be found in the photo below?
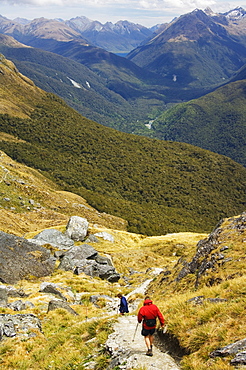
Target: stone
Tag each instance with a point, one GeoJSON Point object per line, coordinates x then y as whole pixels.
{"type": "Point", "coordinates": [14, 325]}
{"type": "Point", "coordinates": [52, 289]}
{"type": "Point", "coordinates": [92, 239]}
{"type": "Point", "coordinates": [106, 236]}
{"type": "Point", "coordinates": [15, 293]}
{"type": "Point", "coordinates": [17, 305]}
{"type": "Point", "coordinates": [3, 296]}
{"type": "Point", "coordinates": [75, 255]}
{"type": "Point", "coordinates": [55, 304]}
{"type": "Point", "coordinates": [77, 228]}
{"type": "Point", "coordinates": [239, 359]}
{"type": "Point", "coordinates": [53, 237]}
{"type": "Point", "coordinates": [20, 259]}
{"type": "Point", "coordinates": [231, 349]}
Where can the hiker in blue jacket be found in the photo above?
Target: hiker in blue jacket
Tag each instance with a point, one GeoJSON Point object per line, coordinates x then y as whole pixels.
{"type": "Point", "coordinates": [123, 307]}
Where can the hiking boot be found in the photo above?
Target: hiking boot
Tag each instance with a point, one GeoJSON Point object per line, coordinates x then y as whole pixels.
{"type": "Point", "coordinates": [149, 352]}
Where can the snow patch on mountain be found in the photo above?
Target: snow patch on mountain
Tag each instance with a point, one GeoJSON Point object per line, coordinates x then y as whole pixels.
{"type": "Point", "coordinates": [75, 84]}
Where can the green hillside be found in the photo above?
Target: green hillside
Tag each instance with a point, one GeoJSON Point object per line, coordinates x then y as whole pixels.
{"type": "Point", "coordinates": [157, 186]}
{"type": "Point", "coordinates": [215, 122]}
{"type": "Point", "coordinates": [122, 96]}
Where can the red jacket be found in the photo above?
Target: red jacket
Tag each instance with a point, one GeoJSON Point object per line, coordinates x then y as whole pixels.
{"type": "Point", "coordinates": [150, 311]}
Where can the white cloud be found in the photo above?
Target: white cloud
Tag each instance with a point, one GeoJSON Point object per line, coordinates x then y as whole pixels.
{"type": "Point", "coordinates": [137, 4]}
{"type": "Point", "coordinates": [161, 5]}
{"type": "Point", "coordinates": [145, 12]}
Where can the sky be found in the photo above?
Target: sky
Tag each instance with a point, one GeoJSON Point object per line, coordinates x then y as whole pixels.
{"type": "Point", "coordinates": [145, 12]}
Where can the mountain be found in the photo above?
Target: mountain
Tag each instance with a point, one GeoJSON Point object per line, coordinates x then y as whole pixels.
{"type": "Point", "coordinates": [215, 121]}
{"type": "Point", "coordinates": [38, 29]}
{"type": "Point", "coordinates": [90, 94]}
{"type": "Point", "coordinates": [122, 76]}
{"type": "Point", "coordinates": [121, 37]}
{"type": "Point", "coordinates": [239, 75]}
{"type": "Point", "coordinates": [195, 50]}
{"type": "Point", "coordinates": [132, 177]}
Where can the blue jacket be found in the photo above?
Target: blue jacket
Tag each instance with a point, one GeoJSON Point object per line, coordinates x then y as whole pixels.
{"type": "Point", "coordinates": [123, 305]}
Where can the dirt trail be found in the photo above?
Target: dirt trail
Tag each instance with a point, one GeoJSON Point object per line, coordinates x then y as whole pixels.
{"type": "Point", "coordinates": [129, 354]}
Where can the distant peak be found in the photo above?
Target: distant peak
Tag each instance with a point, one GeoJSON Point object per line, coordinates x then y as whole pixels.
{"type": "Point", "coordinates": [209, 11]}
{"type": "Point", "coordinates": [236, 13]}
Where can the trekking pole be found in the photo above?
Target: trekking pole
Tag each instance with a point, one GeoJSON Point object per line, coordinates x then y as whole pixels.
{"type": "Point", "coordinates": [135, 332]}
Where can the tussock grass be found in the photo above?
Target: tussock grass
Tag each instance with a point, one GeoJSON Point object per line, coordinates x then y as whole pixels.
{"type": "Point", "coordinates": [67, 341]}
{"type": "Point", "coordinates": [202, 328]}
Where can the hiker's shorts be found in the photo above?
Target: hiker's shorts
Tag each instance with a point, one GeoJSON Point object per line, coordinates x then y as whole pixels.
{"type": "Point", "coordinates": [146, 332]}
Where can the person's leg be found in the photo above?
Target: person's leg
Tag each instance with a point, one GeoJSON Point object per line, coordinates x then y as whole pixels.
{"type": "Point", "coordinates": [151, 340]}
{"type": "Point", "coordinates": [148, 345]}
{"type": "Point", "coordinates": [147, 341]}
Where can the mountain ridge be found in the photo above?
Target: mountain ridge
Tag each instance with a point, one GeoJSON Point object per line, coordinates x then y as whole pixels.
{"type": "Point", "coordinates": [208, 52]}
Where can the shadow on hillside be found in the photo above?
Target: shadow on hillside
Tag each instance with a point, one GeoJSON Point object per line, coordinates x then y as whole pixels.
{"type": "Point", "coordinates": [166, 342]}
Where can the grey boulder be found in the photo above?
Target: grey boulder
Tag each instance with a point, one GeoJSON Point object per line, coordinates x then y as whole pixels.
{"type": "Point", "coordinates": [53, 237]}
{"type": "Point", "coordinates": [77, 228]}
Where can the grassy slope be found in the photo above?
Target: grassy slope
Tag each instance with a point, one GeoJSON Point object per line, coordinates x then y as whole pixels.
{"type": "Point", "coordinates": [64, 341]}
{"type": "Point", "coordinates": [215, 122]}
{"type": "Point", "coordinates": [202, 328]}
{"type": "Point", "coordinates": [138, 179]}
{"type": "Point", "coordinates": [49, 206]}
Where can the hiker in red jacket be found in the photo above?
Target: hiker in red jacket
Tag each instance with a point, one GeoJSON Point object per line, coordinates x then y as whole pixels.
{"type": "Point", "coordinates": [148, 314]}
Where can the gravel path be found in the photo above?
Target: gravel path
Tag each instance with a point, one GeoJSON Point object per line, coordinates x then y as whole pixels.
{"type": "Point", "coordinates": [129, 354]}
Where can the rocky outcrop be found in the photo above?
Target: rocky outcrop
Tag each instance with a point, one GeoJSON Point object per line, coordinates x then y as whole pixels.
{"type": "Point", "coordinates": [209, 255]}
{"type": "Point", "coordinates": [104, 235]}
{"type": "Point", "coordinates": [85, 259]}
{"type": "Point", "coordinates": [237, 348]}
{"type": "Point", "coordinates": [20, 305]}
{"type": "Point", "coordinates": [20, 259]}
{"type": "Point", "coordinates": [52, 289]}
{"type": "Point", "coordinates": [56, 303]}
{"type": "Point", "coordinates": [20, 324]}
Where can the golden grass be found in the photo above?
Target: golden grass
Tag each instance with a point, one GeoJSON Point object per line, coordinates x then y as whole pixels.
{"type": "Point", "coordinates": [66, 339]}
{"type": "Point", "coordinates": [52, 207]}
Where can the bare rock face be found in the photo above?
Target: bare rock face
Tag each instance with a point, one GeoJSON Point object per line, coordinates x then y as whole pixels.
{"type": "Point", "coordinates": [20, 259]}
{"type": "Point", "coordinates": [209, 254]}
